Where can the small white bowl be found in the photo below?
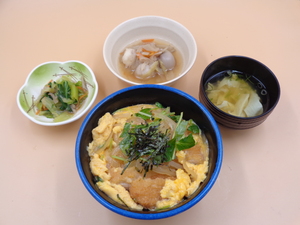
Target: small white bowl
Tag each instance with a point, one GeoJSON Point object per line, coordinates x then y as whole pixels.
{"type": "Point", "coordinates": [146, 27]}
{"type": "Point", "coordinates": [41, 75]}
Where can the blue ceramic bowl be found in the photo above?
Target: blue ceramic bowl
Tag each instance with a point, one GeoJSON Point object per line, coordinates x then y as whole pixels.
{"type": "Point", "coordinates": [149, 94]}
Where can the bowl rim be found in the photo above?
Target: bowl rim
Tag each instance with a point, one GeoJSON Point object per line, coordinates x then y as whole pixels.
{"type": "Point", "coordinates": [111, 33]}
{"type": "Point", "coordinates": [73, 118]}
{"type": "Point", "coordinates": [156, 215]}
{"type": "Point", "coordinates": [202, 88]}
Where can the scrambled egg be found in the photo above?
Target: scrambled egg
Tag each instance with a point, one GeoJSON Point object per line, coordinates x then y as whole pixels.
{"type": "Point", "coordinates": [174, 190]}
{"type": "Point", "coordinates": [115, 191]}
{"type": "Point", "coordinates": [118, 193]}
{"type": "Point", "coordinates": [101, 135]}
{"type": "Point", "coordinates": [185, 184]}
{"type": "Point", "coordinates": [197, 172]}
{"type": "Point", "coordinates": [98, 167]}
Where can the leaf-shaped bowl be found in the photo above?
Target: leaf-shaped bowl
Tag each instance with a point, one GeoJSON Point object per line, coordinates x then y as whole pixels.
{"type": "Point", "coordinates": [47, 71]}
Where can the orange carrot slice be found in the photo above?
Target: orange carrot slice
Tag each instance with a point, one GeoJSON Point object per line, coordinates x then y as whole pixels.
{"type": "Point", "coordinates": [147, 40]}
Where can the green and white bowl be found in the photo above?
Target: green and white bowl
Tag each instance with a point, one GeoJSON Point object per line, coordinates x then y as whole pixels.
{"type": "Point", "coordinates": [47, 71]}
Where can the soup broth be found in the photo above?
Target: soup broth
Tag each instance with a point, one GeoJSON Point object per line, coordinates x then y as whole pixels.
{"type": "Point", "coordinates": [169, 75]}
{"type": "Point", "coordinates": [253, 82]}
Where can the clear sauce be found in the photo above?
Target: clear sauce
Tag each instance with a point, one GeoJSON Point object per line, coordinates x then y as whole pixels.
{"type": "Point", "coordinates": [254, 83]}
{"type": "Point", "coordinates": [129, 74]}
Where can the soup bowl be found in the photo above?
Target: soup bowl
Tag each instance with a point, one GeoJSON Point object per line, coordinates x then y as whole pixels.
{"type": "Point", "coordinates": [149, 27]}
{"type": "Point", "coordinates": [178, 102]}
{"type": "Point", "coordinates": [261, 78]}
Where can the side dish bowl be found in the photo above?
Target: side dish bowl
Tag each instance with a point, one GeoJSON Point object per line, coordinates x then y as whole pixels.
{"type": "Point", "coordinates": [52, 70]}
{"type": "Point", "coordinates": [260, 77]}
{"type": "Point", "coordinates": [153, 27]}
{"type": "Point", "coordinates": [179, 102]}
